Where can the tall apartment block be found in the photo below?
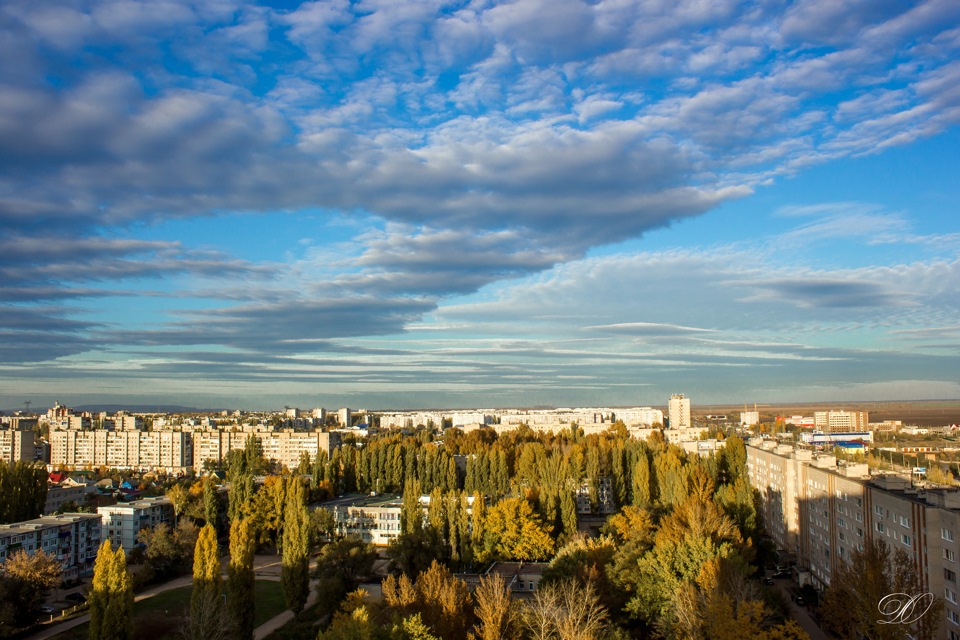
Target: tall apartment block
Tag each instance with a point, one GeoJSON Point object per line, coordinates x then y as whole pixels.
{"type": "Point", "coordinates": [16, 445]}
{"type": "Point", "coordinates": [819, 510]}
{"type": "Point", "coordinates": [679, 411]}
{"type": "Point", "coordinates": [73, 539]}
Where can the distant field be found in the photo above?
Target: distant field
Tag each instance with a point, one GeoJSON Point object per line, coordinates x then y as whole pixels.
{"type": "Point", "coordinates": [923, 413]}
{"type": "Point", "coordinates": [163, 615]}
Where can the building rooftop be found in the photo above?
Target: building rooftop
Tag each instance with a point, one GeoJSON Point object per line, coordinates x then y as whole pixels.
{"type": "Point", "coordinates": [364, 500]}
{"type": "Point", "coordinates": [46, 521]}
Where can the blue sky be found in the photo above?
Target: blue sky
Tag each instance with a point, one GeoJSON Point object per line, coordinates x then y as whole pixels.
{"type": "Point", "coordinates": [451, 204]}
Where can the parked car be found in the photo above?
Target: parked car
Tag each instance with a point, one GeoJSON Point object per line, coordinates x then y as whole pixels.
{"type": "Point", "coordinates": [768, 582]}
{"type": "Point", "coordinates": [46, 609]}
{"type": "Point", "coordinates": [78, 598]}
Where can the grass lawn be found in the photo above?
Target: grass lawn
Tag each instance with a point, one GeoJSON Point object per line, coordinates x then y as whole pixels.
{"type": "Point", "coordinates": [163, 615]}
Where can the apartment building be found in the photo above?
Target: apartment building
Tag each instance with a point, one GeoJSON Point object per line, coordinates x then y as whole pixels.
{"type": "Point", "coordinates": [819, 510]}
{"type": "Point", "coordinates": [60, 493]}
{"type": "Point", "coordinates": [678, 409]}
{"type": "Point", "coordinates": [841, 421]}
{"type": "Point", "coordinates": [73, 539]}
{"type": "Point", "coordinates": [16, 445]}
{"type": "Point", "coordinates": [285, 446]}
{"type": "Point", "coordinates": [123, 522]}
{"type": "Point", "coordinates": [170, 451]}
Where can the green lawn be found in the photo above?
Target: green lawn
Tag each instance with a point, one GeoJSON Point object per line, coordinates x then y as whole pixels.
{"type": "Point", "coordinates": [162, 616]}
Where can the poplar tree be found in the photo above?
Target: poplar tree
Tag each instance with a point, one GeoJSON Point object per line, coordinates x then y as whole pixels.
{"type": "Point", "coordinates": [295, 569]}
{"type": "Point", "coordinates": [206, 611]}
{"type": "Point", "coordinates": [240, 578]}
{"type": "Point", "coordinates": [23, 486]}
{"type": "Point", "coordinates": [641, 481]}
{"type": "Point", "coordinates": [111, 599]}
{"type": "Point", "coordinates": [411, 517]}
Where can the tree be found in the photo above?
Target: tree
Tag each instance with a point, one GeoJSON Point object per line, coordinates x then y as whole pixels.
{"type": "Point", "coordinates": [514, 532]}
{"type": "Point", "coordinates": [206, 611]}
{"type": "Point", "coordinates": [565, 611]}
{"type": "Point", "coordinates": [211, 510]}
{"type": "Point", "coordinates": [494, 609]}
{"type": "Point", "coordinates": [111, 597]}
{"type": "Point", "coordinates": [240, 578]}
{"type": "Point", "coordinates": [24, 582]}
{"type": "Point", "coordinates": [23, 486]}
{"type": "Point", "coordinates": [346, 560]}
{"type": "Point", "coordinates": [695, 533]}
{"type": "Point", "coordinates": [850, 606]}
{"type": "Point", "coordinates": [295, 571]}
{"type": "Point", "coordinates": [179, 498]}
{"type": "Point", "coordinates": [642, 494]}
{"type": "Point", "coordinates": [441, 598]}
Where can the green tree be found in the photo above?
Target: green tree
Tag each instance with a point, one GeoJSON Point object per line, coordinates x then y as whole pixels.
{"type": "Point", "coordinates": [23, 486]}
{"type": "Point", "coordinates": [206, 610]}
{"type": "Point", "coordinates": [211, 508]}
{"type": "Point", "coordinates": [179, 498]}
{"type": "Point", "coordinates": [295, 571]}
{"type": "Point", "coordinates": [642, 493]}
{"type": "Point", "coordinates": [240, 578]}
{"type": "Point", "coordinates": [346, 561]}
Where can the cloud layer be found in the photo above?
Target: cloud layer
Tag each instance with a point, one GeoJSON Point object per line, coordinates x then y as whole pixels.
{"type": "Point", "coordinates": [474, 144]}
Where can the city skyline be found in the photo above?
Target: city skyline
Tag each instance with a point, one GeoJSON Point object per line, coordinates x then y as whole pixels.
{"type": "Point", "coordinates": [477, 204]}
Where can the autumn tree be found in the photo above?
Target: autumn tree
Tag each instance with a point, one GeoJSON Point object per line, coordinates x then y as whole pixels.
{"type": "Point", "coordinates": [514, 532]}
{"type": "Point", "coordinates": [565, 611]}
{"type": "Point", "coordinates": [851, 606]}
{"type": "Point", "coordinates": [240, 578]}
{"type": "Point", "coordinates": [111, 596]}
{"type": "Point", "coordinates": [494, 610]}
{"type": "Point", "coordinates": [439, 597]}
{"type": "Point", "coordinates": [25, 580]}
{"type": "Point", "coordinates": [207, 618]}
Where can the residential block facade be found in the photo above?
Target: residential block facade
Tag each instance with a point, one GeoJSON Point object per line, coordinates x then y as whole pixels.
{"type": "Point", "coordinates": [820, 510]}
{"type": "Point", "coordinates": [72, 538]}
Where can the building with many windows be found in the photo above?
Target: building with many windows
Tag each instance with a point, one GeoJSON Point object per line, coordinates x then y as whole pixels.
{"type": "Point", "coordinates": [841, 421]}
{"type": "Point", "coordinates": [123, 522]}
{"type": "Point", "coordinates": [72, 538]}
{"type": "Point", "coordinates": [820, 510]}
{"type": "Point", "coordinates": [678, 410]}
{"type": "Point", "coordinates": [16, 445]}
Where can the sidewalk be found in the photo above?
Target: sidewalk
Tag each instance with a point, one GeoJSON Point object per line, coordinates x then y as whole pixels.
{"type": "Point", "coordinates": [55, 628]}
{"type": "Point", "coordinates": [279, 620]}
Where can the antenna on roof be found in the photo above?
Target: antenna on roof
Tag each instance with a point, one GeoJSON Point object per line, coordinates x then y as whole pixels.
{"type": "Point", "coordinates": [27, 403]}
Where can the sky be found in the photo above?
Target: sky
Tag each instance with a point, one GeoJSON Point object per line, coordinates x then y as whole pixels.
{"type": "Point", "coordinates": [388, 204]}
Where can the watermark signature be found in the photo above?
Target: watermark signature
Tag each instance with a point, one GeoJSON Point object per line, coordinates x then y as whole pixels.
{"type": "Point", "coordinates": [903, 608]}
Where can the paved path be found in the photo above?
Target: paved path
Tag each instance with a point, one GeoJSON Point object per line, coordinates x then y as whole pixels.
{"type": "Point", "coordinates": [800, 614]}
{"type": "Point", "coordinates": [281, 619]}
{"type": "Point", "coordinates": [54, 628]}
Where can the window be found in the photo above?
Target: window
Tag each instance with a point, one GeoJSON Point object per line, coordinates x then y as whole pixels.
{"type": "Point", "coordinates": [904, 521]}
{"type": "Point", "coordinates": [906, 540]}
{"type": "Point", "coordinates": [950, 555]}
{"type": "Point", "coordinates": [946, 534]}
{"type": "Point", "coordinates": [953, 617]}
{"type": "Point", "coordinates": [840, 522]}
{"type": "Point", "coordinates": [878, 510]}
{"type": "Point", "coordinates": [949, 575]}
{"type": "Point", "coordinates": [880, 527]}
{"type": "Point", "coordinates": [951, 595]}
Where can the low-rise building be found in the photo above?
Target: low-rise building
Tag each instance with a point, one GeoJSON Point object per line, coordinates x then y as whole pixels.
{"type": "Point", "coordinates": [374, 519]}
{"type": "Point", "coordinates": [60, 493]}
{"type": "Point", "coordinates": [72, 538]}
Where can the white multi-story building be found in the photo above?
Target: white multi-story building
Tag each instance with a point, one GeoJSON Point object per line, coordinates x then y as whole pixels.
{"type": "Point", "coordinates": [170, 451]}
{"type": "Point", "coordinates": [343, 415]}
{"type": "Point", "coordinates": [749, 418]}
{"type": "Point", "coordinates": [640, 416]}
{"type": "Point", "coordinates": [820, 510]}
{"type": "Point", "coordinates": [123, 522]}
{"type": "Point", "coordinates": [71, 538]}
{"type": "Point", "coordinates": [678, 408]}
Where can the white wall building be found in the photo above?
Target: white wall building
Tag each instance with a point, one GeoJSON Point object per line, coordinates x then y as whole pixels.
{"type": "Point", "coordinates": [123, 522]}
{"type": "Point", "coordinates": [678, 408]}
